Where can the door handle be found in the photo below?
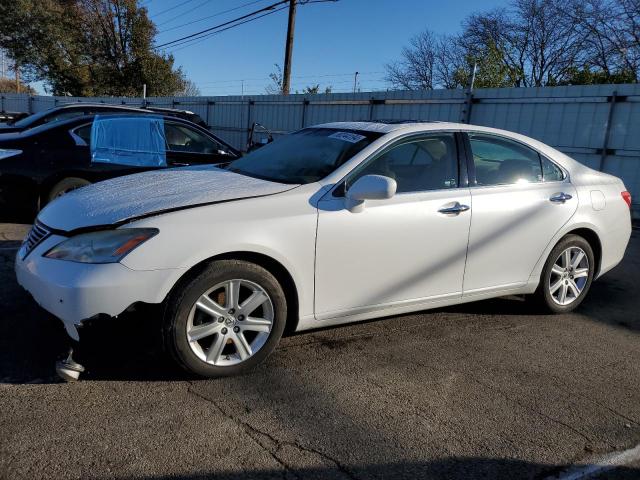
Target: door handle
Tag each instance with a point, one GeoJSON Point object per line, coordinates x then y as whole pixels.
{"type": "Point", "coordinates": [456, 209]}
{"type": "Point", "coordinates": [560, 197]}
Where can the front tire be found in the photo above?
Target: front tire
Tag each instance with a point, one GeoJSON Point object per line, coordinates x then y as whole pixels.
{"type": "Point", "coordinates": [226, 319]}
{"type": "Point", "coordinates": [66, 185]}
{"type": "Point", "coordinates": [567, 275]}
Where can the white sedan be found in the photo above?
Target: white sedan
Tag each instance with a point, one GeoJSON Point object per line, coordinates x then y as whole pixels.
{"type": "Point", "coordinates": [332, 224]}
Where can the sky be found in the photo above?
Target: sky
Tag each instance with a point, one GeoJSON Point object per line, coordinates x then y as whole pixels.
{"type": "Point", "coordinates": [332, 40]}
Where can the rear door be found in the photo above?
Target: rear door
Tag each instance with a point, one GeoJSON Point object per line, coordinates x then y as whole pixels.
{"type": "Point", "coordinates": [517, 209]}
{"type": "Point", "coordinates": [78, 159]}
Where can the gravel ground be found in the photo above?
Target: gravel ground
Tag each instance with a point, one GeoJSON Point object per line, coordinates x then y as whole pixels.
{"type": "Point", "coordinates": [483, 390]}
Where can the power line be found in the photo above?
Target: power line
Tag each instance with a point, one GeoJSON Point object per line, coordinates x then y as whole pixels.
{"type": "Point", "coordinates": [210, 16]}
{"type": "Point", "coordinates": [346, 74]}
{"type": "Point", "coordinates": [184, 13]}
{"type": "Point", "coordinates": [377, 83]}
{"type": "Point", "coordinates": [193, 41]}
{"type": "Point", "coordinates": [270, 7]}
{"type": "Point", "coordinates": [171, 8]}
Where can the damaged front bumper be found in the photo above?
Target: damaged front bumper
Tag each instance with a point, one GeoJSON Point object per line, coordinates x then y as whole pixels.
{"type": "Point", "coordinates": [75, 291]}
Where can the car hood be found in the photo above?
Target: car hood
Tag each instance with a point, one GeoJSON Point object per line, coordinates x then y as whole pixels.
{"type": "Point", "coordinates": [151, 193]}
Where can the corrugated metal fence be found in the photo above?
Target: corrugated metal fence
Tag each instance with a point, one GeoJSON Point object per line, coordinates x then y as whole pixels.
{"type": "Point", "coordinates": [599, 125]}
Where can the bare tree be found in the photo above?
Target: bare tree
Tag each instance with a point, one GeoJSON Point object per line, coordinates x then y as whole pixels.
{"type": "Point", "coordinates": [190, 89]}
{"type": "Point", "coordinates": [415, 71]}
{"type": "Point", "coordinates": [275, 88]}
{"type": "Point", "coordinates": [551, 40]}
{"type": "Point", "coordinates": [495, 31]}
{"type": "Point", "coordinates": [531, 43]}
{"type": "Point", "coordinates": [611, 30]}
{"type": "Point", "coordinates": [429, 61]}
{"type": "Point", "coordinates": [451, 62]}
{"type": "Point", "coordinates": [537, 42]}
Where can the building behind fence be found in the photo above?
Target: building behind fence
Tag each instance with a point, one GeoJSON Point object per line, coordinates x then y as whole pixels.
{"type": "Point", "coordinates": [598, 125]}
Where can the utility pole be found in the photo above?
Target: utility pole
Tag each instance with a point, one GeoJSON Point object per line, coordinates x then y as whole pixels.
{"type": "Point", "coordinates": [355, 81]}
{"type": "Point", "coordinates": [17, 69]}
{"type": "Point", "coordinates": [288, 52]}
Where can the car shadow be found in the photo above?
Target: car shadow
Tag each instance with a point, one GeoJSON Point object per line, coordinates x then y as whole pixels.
{"type": "Point", "coordinates": [450, 468]}
{"type": "Point", "coordinates": [130, 347]}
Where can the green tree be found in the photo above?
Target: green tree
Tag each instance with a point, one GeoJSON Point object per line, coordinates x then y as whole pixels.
{"type": "Point", "coordinates": [8, 85]}
{"type": "Point", "coordinates": [87, 47]}
{"type": "Point", "coordinates": [315, 89]}
{"type": "Point", "coordinates": [594, 76]}
{"type": "Point", "coordinates": [491, 71]}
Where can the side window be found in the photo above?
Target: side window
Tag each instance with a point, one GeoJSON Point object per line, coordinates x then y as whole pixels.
{"type": "Point", "coordinates": [550, 171]}
{"type": "Point", "coordinates": [419, 164]}
{"type": "Point", "coordinates": [63, 116]}
{"type": "Point", "coordinates": [183, 139]}
{"type": "Point", "coordinates": [500, 161]}
{"type": "Point", "coordinates": [82, 133]}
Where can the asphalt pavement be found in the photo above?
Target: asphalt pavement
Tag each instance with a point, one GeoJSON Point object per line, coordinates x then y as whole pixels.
{"type": "Point", "coordinates": [482, 390]}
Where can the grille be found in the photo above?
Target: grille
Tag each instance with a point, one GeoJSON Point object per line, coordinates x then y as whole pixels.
{"type": "Point", "coordinates": [37, 234]}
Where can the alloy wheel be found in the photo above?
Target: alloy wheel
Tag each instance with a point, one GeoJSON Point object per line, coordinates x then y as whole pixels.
{"type": "Point", "coordinates": [569, 276]}
{"type": "Point", "coordinates": [230, 322]}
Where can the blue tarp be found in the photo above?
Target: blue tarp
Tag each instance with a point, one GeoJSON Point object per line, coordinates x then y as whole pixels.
{"type": "Point", "coordinates": [129, 140]}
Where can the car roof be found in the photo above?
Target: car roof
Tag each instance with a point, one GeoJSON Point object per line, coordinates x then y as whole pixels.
{"type": "Point", "coordinates": [135, 108]}
{"type": "Point", "coordinates": [77, 121]}
{"type": "Point", "coordinates": [416, 126]}
{"type": "Point", "coordinates": [102, 105]}
{"type": "Point", "coordinates": [387, 126]}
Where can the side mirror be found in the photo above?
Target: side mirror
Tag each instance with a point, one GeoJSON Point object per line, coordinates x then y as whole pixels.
{"type": "Point", "coordinates": [369, 187]}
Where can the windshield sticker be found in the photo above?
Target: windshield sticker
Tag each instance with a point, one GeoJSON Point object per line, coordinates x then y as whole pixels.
{"type": "Point", "coordinates": [347, 137]}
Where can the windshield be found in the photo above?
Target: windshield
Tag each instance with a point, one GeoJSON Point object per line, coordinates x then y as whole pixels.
{"type": "Point", "coordinates": [305, 156]}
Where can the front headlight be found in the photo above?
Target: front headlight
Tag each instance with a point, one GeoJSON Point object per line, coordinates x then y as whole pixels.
{"type": "Point", "coordinates": [106, 246]}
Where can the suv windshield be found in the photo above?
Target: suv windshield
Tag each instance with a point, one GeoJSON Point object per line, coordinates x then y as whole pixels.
{"type": "Point", "coordinates": [305, 156]}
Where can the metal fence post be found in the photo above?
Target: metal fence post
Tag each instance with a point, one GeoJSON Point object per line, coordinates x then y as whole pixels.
{"type": "Point", "coordinates": [372, 102]}
{"type": "Point", "coordinates": [249, 104]}
{"type": "Point", "coordinates": [2, 103]}
{"type": "Point", "coordinates": [209, 103]}
{"type": "Point", "coordinates": [468, 103]}
{"type": "Point", "coordinates": [305, 102]}
{"type": "Point", "coordinates": [613, 99]}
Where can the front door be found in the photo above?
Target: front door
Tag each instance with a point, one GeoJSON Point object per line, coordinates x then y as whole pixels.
{"type": "Point", "coordinates": [517, 208]}
{"type": "Point", "coordinates": [402, 250]}
{"type": "Point", "coordinates": [187, 146]}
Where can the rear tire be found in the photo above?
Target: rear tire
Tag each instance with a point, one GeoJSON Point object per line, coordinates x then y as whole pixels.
{"type": "Point", "coordinates": [566, 276]}
{"type": "Point", "coordinates": [226, 319]}
{"type": "Point", "coordinates": [65, 186]}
